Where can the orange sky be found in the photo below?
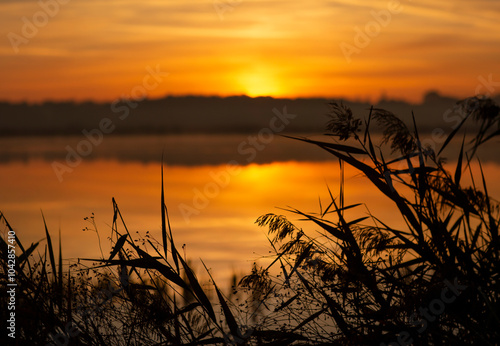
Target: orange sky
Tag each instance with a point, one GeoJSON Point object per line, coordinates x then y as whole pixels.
{"type": "Point", "coordinates": [100, 50]}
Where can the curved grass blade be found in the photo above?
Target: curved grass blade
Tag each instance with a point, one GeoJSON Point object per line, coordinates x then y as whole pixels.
{"type": "Point", "coordinates": [51, 250]}
{"type": "Point", "coordinates": [493, 226]}
{"type": "Point", "coordinates": [163, 223]}
{"type": "Point", "coordinates": [458, 170]}
{"type": "Point", "coordinates": [118, 246]}
{"type": "Point", "coordinates": [288, 302]}
{"type": "Point", "coordinates": [198, 291]}
{"type": "Point", "coordinates": [310, 318]}
{"type": "Point", "coordinates": [230, 320]}
{"type": "Point", "coordinates": [452, 134]}
{"type": "Point", "coordinates": [145, 263]}
{"type": "Point", "coordinates": [330, 229]}
{"type": "Point", "coordinates": [25, 255]}
{"type": "Point", "coordinates": [324, 145]}
{"type": "Point", "coordinates": [60, 274]}
{"type": "Point", "coordinates": [305, 253]}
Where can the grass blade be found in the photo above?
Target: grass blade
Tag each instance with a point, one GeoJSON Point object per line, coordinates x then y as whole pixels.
{"type": "Point", "coordinates": [118, 246]}
{"type": "Point", "coordinates": [305, 253]}
{"type": "Point", "coordinates": [198, 291]}
{"type": "Point", "coordinates": [330, 229]}
{"type": "Point", "coordinates": [51, 250]}
{"type": "Point", "coordinates": [452, 134]}
{"type": "Point", "coordinates": [230, 320]}
{"type": "Point", "coordinates": [60, 273]}
{"type": "Point", "coordinates": [493, 227]}
{"type": "Point", "coordinates": [340, 147]}
{"type": "Point", "coordinates": [458, 170]}
{"type": "Point", "coordinates": [25, 255]}
{"type": "Point", "coordinates": [163, 222]}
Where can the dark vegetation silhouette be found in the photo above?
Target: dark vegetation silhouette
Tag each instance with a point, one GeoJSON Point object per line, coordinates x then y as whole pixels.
{"type": "Point", "coordinates": [362, 281]}
{"type": "Point", "coordinates": [198, 114]}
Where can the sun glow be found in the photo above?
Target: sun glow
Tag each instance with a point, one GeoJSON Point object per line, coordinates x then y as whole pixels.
{"type": "Point", "coordinates": [260, 84]}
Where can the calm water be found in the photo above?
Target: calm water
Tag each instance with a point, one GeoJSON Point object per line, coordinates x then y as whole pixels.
{"type": "Point", "coordinates": [213, 205]}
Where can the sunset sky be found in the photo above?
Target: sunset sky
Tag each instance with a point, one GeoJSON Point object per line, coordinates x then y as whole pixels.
{"type": "Point", "coordinates": [102, 50]}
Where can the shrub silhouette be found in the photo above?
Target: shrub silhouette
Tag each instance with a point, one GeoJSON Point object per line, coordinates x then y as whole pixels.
{"type": "Point", "coordinates": [435, 281]}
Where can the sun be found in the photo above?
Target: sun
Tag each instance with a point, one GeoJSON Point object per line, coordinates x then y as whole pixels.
{"type": "Point", "coordinates": [260, 83]}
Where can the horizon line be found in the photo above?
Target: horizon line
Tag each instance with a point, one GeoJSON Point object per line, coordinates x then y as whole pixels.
{"type": "Point", "coordinates": [360, 99]}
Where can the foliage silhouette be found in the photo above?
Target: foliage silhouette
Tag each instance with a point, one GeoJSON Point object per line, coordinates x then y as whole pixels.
{"type": "Point", "coordinates": [434, 280]}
